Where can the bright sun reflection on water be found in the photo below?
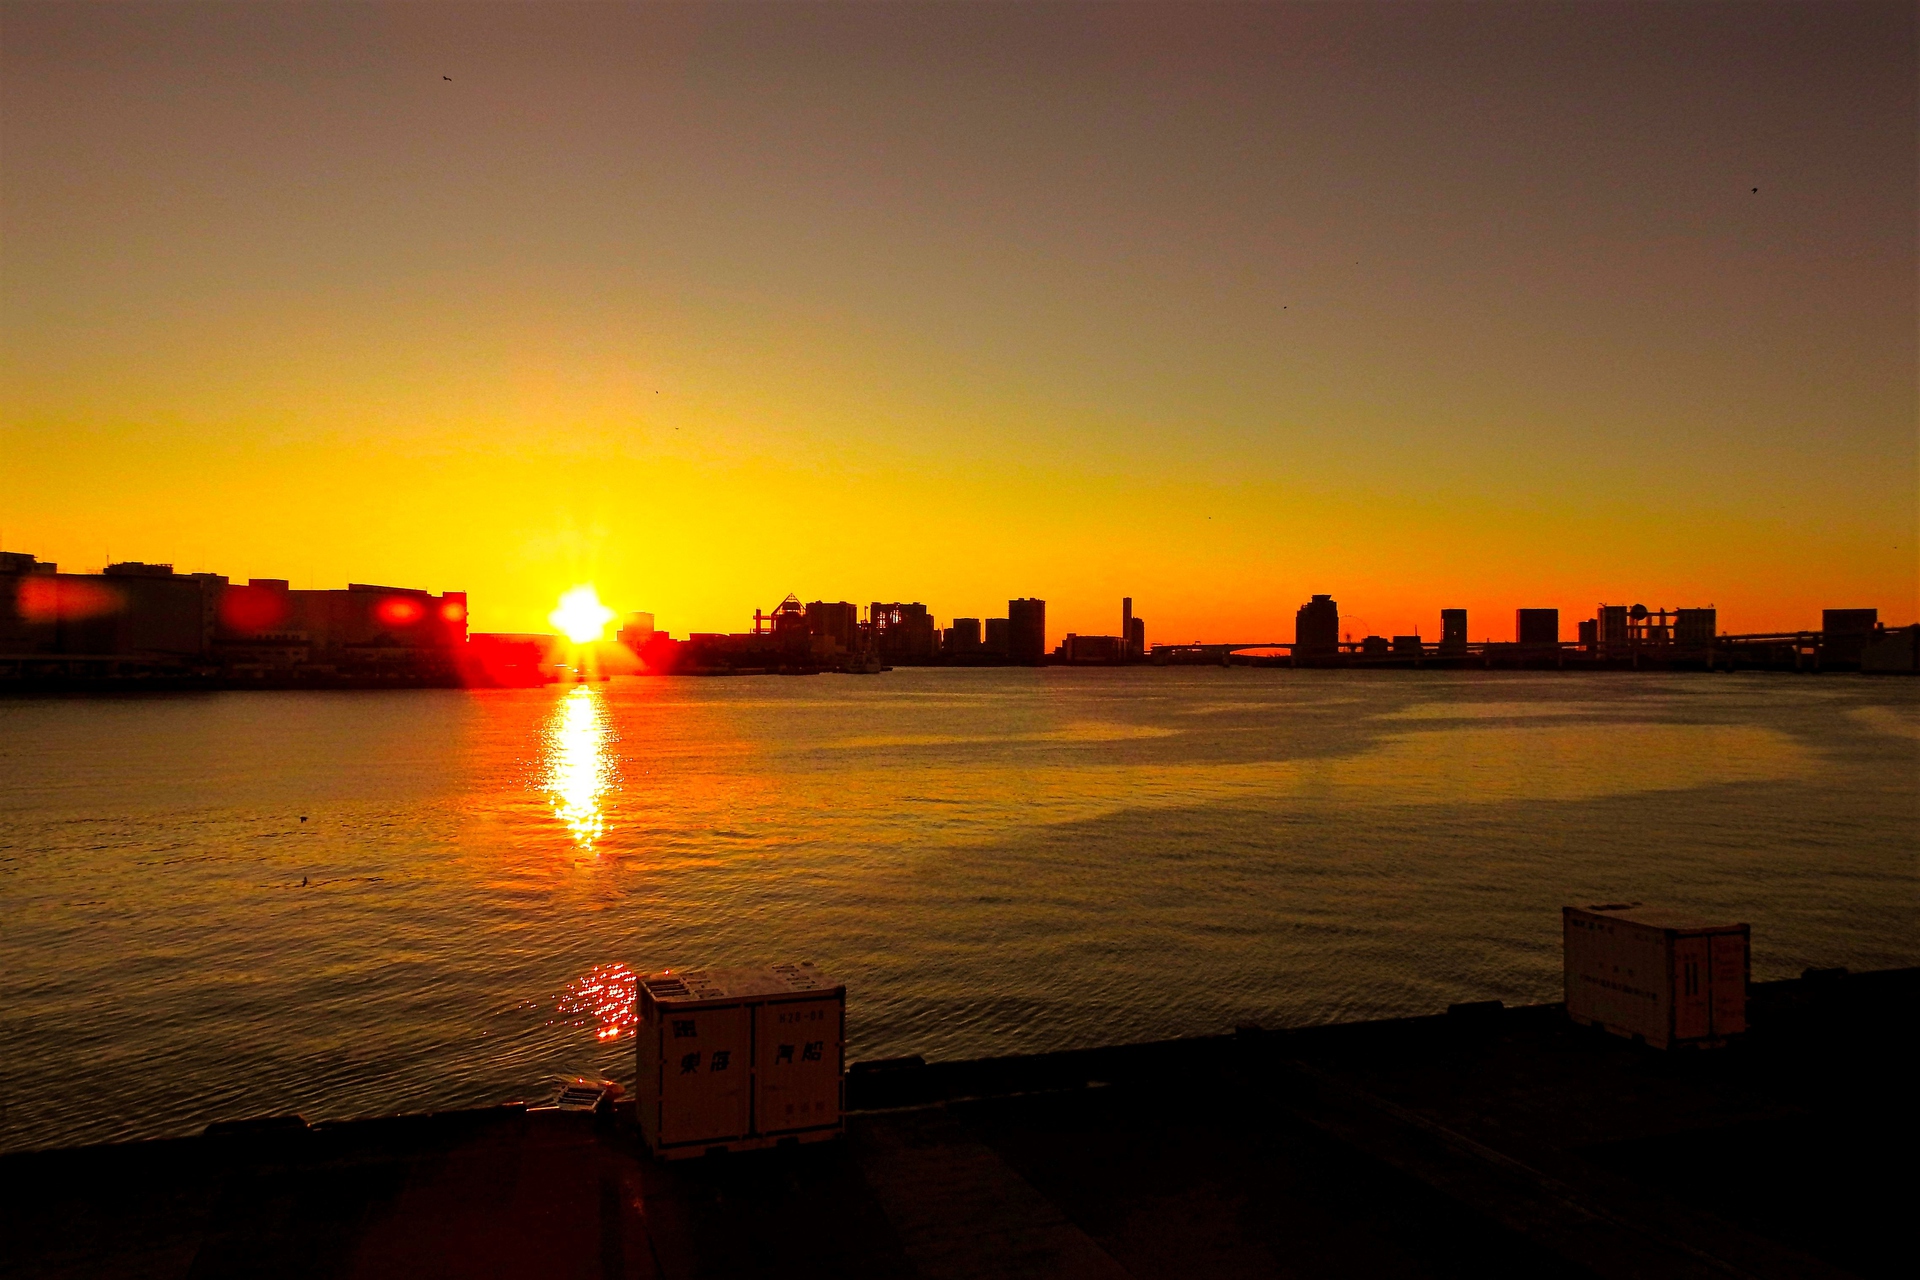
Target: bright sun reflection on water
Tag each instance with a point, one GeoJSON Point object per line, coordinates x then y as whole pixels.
{"type": "Point", "coordinates": [580, 763]}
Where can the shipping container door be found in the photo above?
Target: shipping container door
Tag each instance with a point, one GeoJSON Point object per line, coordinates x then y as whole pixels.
{"type": "Point", "coordinates": [1692, 999]}
{"type": "Point", "coordinates": [703, 1074]}
{"type": "Point", "coordinates": [1616, 976]}
{"type": "Point", "coordinates": [797, 1075]}
{"type": "Point", "coordinates": [1729, 983]}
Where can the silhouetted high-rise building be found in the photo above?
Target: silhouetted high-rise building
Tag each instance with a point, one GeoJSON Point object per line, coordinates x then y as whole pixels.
{"type": "Point", "coordinates": [1610, 628]}
{"type": "Point", "coordinates": [995, 641]}
{"type": "Point", "coordinates": [1133, 632]}
{"type": "Point", "coordinates": [1536, 627]}
{"type": "Point", "coordinates": [1453, 631]}
{"type": "Point", "coordinates": [1027, 631]}
{"type": "Point", "coordinates": [1316, 627]}
{"type": "Point", "coordinates": [964, 636]}
{"type": "Point", "coordinates": [838, 620]}
{"type": "Point", "coordinates": [902, 631]}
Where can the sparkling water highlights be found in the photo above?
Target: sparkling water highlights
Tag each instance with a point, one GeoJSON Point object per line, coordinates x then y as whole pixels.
{"type": "Point", "coordinates": [603, 999]}
{"type": "Point", "coordinates": [994, 861]}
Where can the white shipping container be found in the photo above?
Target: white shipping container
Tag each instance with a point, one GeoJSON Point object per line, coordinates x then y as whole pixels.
{"type": "Point", "coordinates": [1655, 975]}
{"type": "Point", "coordinates": [799, 1046]}
{"type": "Point", "coordinates": [739, 1058]}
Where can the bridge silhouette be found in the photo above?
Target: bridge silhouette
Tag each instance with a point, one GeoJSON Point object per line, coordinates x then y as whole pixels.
{"type": "Point", "coordinates": [1216, 651]}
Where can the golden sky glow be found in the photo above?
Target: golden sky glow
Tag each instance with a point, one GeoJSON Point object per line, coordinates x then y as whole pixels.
{"type": "Point", "coordinates": [1215, 306]}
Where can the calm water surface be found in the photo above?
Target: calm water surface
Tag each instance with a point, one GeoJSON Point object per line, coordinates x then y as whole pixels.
{"type": "Point", "coordinates": [995, 861]}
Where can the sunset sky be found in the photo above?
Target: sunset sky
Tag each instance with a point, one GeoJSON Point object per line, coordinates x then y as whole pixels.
{"type": "Point", "coordinates": [1211, 305]}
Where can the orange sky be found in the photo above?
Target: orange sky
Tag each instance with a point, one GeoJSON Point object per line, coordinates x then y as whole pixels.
{"type": "Point", "coordinates": [1215, 306]}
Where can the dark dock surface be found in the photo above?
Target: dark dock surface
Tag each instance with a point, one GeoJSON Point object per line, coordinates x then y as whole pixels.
{"type": "Point", "coordinates": [1485, 1141]}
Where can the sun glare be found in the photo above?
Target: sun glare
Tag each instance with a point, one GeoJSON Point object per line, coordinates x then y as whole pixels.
{"type": "Point", "coordinates": [580, 616]}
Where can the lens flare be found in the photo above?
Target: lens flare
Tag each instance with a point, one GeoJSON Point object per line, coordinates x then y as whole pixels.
{"type": "Point", "coordinates": [580, 616]}
{"type": "Point", "coordinates": [400, 611]}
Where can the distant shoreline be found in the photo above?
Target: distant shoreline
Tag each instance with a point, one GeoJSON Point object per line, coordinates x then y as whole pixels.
{"type": "Point", "coordinates": [158, 684]}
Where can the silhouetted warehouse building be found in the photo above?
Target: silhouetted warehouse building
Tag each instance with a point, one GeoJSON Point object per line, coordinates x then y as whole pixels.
{"type": "Point", "coordinates": [132, 610]}
{"type": "Point", "coordinates": [339, 622]}
{"type": "Point", "coordinates": [1844, 633]}
{"type": "Point", "coordinates": [1316, 627]}
{"type": "Point", "coordinates": [1695, 628]}
{"type": "Point", "coordinates": [1892, 649]}
{"type": "Point", "coordinates": [1536, 627]}
{"type": "Point", "coordinates": [1027, 631]}
{"type": "Point", "coordinates": [1097, 649]}
{"type": "Point", "coordinates": [515, 659]}
{"type": "Point", "coordinates": [149, 613]}
{"type": "Point", "coordinates": [22, 576]}
{"type": "Point", "coordinates": [366, 630]}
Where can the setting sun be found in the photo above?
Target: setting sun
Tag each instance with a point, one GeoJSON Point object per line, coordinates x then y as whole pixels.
{"type": "Point", "coordinates": [581, 616]}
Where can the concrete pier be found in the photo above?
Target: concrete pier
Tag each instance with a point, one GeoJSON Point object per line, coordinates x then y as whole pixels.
{"type": "Point", "coordinates": [1481, 1141]}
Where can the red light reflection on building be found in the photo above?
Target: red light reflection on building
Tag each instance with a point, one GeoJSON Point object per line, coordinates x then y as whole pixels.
{"type": "Point", "coordinates": [453, 611]}
{"type": "Point", "coordinates": [399, 611]}
{"type": "Point", "coordinates": [47, 598]}
{"type": "Point", "coordinates": [253, 608]}
{"type": "Point", "coordinates": [603, 994]}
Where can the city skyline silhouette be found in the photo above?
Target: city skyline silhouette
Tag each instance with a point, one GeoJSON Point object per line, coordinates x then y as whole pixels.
{"type": "Point", "coordinates": [1218, 306]}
